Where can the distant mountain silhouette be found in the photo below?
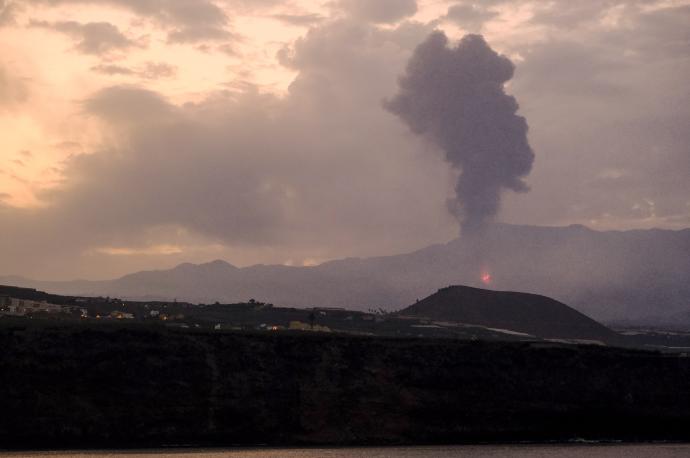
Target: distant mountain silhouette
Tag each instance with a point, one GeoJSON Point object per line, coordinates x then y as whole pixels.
{"type": "Point", "coordinates": [606, 275]}
{"type": "Point", "coordinates": [528, 313]}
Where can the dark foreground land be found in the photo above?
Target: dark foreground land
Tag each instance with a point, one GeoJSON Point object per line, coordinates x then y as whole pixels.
{"type": "Point", "coordinates": [120, 386]}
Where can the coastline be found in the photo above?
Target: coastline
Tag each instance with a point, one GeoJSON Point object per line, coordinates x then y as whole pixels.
{"type": "Point", "coordinates": [99, 388]}
{"type": "Point", "coordinates": [604, 450]}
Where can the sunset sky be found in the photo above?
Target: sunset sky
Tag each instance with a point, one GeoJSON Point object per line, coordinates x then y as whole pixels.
{"type": "Point", "coordinates": [138, 134]}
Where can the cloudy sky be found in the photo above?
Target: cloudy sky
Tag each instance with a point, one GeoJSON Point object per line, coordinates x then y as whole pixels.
{"type": "Point", "coordinates": [138, 134]}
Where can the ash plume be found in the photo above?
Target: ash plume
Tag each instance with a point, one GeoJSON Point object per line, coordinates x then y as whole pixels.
{"type": "Point", "coordinates": [455, 98]}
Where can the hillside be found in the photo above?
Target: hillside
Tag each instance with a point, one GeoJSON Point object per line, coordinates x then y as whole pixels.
{"type": "Point", "coordinates": [528, 313]}
{"type": "Point", "coordinates": [607, 275]}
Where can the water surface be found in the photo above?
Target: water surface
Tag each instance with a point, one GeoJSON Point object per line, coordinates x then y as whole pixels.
{"type": "Point", "coordinates": [480, 451]}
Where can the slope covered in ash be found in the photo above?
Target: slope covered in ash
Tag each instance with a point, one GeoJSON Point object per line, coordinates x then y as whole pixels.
{"type": "Point", "coordinates": [529, 313]}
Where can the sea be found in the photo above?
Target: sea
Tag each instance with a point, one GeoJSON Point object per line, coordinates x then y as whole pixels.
{"type": "Point", "coordinates": [480, 451]}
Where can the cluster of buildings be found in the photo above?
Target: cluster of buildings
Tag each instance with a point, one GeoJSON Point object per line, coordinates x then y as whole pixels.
{"type": "Point", "coordinates": [252, 315]}
{"type": "Point", "coordinates": [22, 307]}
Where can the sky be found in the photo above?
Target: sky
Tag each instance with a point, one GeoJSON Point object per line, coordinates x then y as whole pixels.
{"type": "Point", "coordinates": [139, 134]}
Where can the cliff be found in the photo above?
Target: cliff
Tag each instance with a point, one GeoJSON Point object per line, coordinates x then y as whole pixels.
{"type": "Point", "coordinates": [115, 386]}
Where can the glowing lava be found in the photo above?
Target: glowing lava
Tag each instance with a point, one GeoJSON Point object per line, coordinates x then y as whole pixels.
{"type": "Point", "coordinates": [486, 278]}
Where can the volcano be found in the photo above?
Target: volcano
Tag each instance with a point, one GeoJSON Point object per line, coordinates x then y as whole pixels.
{"type": "Point", "coordinates": [532, 314]}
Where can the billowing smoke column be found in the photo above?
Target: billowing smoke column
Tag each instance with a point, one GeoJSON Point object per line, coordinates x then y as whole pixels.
{"type": "Point", "coordinates": [455, 97]}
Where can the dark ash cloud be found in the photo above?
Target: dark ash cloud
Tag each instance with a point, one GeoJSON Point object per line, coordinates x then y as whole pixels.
{"type": "Point", "coordinates": [455, 98]}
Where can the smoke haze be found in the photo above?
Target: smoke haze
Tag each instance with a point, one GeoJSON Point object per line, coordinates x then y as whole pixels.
{"type": "Point", "coordinates": [253, 131]}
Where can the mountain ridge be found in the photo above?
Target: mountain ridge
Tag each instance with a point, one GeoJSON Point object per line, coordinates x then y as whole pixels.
{"type": "Point", "coordinates": [607, 275]}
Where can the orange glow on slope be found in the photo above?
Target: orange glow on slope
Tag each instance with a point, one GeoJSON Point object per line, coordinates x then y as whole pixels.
{"type": "Point", "coordinates": [486, 278]}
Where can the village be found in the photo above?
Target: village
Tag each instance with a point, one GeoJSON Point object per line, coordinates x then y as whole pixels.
{"type": "Point", "coordinates": [250, 316]}
{"type": "Point", "coordinates": [12, 306]}
{"type": "Point", "coordinates": [174, 314]}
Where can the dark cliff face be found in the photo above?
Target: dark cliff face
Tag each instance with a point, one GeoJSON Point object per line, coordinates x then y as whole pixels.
{"type": "Point", "coordinates": [114, 387]}
{"type": "Point", "coordinates": [529, 313]}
